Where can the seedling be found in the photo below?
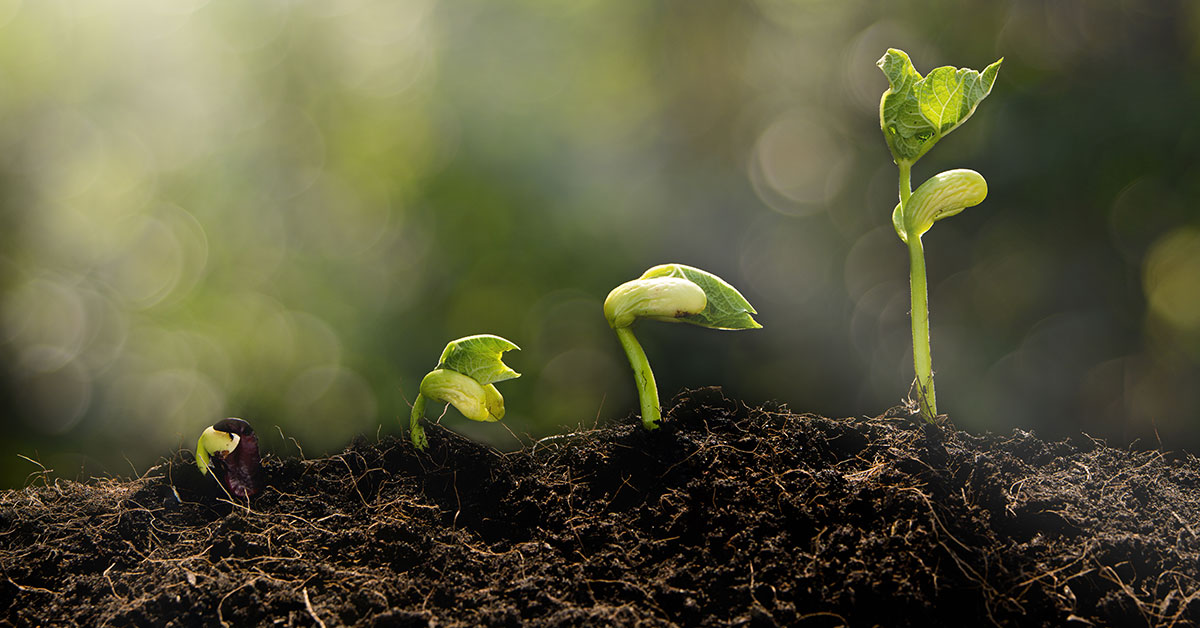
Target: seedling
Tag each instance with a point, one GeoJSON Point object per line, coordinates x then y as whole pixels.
{"type": "Point", "coordinates": [673, 293]}
{"type": "Point", "coordinates": [465, 378]}
{"type": "Point", "coordinates": [914, 113]}
{"type": "Point", "coordinates": [229, 450]}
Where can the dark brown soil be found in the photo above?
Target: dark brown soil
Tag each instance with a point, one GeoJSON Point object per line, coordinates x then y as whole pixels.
{"type": "Point", "coordinates": [726, 516]}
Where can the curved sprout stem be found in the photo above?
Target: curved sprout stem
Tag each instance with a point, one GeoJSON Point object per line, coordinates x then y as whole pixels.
{"type": "Point", "coordinates": [416, 433]}
{"type": "Point", "coordinates": [647, 388]}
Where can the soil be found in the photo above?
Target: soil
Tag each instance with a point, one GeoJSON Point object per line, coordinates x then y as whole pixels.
{"type": "Point", "coordinates": [728, 515]}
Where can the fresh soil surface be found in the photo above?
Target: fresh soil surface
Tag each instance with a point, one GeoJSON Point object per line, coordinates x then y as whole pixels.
{"type": "Point", "coordinates": [728, 515]}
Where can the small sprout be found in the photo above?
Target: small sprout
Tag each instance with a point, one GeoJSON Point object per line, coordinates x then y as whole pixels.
{"type": "Point", "coordinates": [229, 450]}
{"type": "Point", "coordinates": [672, 293]}
{"type": "Point", "coordinates": [914, 113]}
{"type": "Point", "coordinates": [464, 378]}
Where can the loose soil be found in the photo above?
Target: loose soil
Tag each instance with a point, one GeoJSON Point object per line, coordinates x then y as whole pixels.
{"type": "Point", "coordinates": [728, 515]}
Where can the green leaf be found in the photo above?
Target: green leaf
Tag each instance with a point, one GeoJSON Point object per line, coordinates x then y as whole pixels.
{"type": "Point", "coordinates": [726, 308]}
{"type": "Point", "coordinates": [916, 112]}
{"type": "Point", "coordinates": [479, 357]}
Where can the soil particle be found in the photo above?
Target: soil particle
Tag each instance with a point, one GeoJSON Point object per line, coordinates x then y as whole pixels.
{"type": "Point", "coordinates": [726, 516]}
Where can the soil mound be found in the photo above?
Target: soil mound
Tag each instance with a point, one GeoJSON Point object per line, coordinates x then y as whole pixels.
{"type": "Point", "coordinates": [728, 515]}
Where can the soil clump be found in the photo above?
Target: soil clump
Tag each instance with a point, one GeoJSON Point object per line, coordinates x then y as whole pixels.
{"type": "Point", "coordinates": [726, 516]}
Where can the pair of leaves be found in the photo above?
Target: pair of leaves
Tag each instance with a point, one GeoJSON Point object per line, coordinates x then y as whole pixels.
{"type": "Point", "coordinates": [480, 358]}
{"type": "Point", "coordinates": [916, 112]}
{"type": "Point", "coordinates": [726, 308]}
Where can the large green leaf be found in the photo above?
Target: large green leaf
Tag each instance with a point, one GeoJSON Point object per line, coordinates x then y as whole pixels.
{"type": "Point", "coordinates": [916, 112]}
{"type": "Point", "coordinates": [479, 357]}
{"type": "Point", "coordinates": [726, 308]}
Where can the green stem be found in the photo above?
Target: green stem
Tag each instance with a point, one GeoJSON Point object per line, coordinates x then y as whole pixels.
{"type": "Point", "coordinates": [919, 291]}
{"type": "Point", "coordinates": [922, 357]}
{"type": "Point", "coordinates": [647, 389]}
{"type": "Point", "coordinates": [905, 182]}
{"type": "Point", "coordinates": [416, 433]}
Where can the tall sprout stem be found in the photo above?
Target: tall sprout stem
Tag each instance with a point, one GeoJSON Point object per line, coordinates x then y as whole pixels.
{"type": "Point", "coordinates": [416, 433]}
{"type": "Point", "coordinates": [922, 357]}
{"type": "Point", "coordinates": [647, 388]}
{"type": "Point", "coordinates": [919, 290]}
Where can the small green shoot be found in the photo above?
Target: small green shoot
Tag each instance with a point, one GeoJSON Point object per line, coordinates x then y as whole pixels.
{"type": "Point", "coordinates": [914, 113]}
{"type": "Point", "coordinates": [465, 378]}
{"type": "Point", "coordinates": [212, 443]}
{"type": "Point", "coordinates": [672, 293]}
{"type": "Point", "coordinates": [229, 451]}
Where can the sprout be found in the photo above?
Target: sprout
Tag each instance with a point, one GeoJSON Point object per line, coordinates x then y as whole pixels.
{"type": "Point", "coordinates": [464, 378]}
{"type": "Point", "coordinates": [229, 450]}
{"type": "Point", "coordinates": [672, 293]}
{"type": "Point", "coordinates": [914, 113]}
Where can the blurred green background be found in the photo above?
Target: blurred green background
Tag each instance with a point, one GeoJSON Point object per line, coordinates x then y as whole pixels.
{"type": "Point", "coordinates": [284, 210]}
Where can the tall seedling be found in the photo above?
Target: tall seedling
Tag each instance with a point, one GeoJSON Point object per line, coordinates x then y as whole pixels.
{"type": "Point", "coordinates": [914, 113]}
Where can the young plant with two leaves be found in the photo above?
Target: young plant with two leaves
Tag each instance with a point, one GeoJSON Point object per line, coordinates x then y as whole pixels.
{"type": "Point", "coordinates": [915, 113]}
{"type": "Point", "coordinates": [672, 293]}
{"type": "Point", "coordinates": [465, 378]}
